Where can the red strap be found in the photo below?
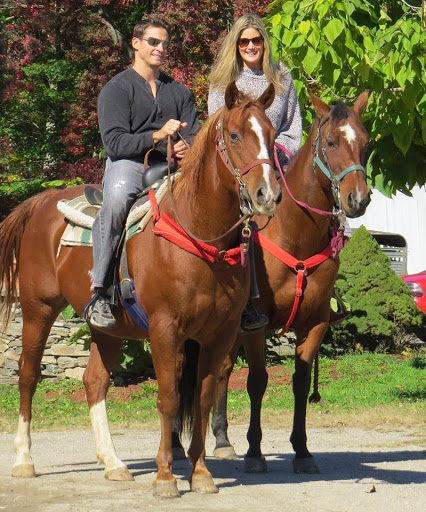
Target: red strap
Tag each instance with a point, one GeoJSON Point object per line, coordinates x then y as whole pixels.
{"type": "Point", "coordinates": [299, 266]}
{"type": "Point", "coordinates": [286, 257]}
{"type": "Point", "coordinates": [166, 227]}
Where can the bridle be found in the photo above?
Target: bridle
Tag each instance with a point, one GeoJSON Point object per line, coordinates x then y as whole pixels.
{"type": "Point", "coordinates": [237, 173]}
{"type": "Point", "coordinates": [325, 166]}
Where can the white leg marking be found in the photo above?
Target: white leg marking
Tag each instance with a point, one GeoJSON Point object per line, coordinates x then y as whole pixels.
{"type": "Point", "coordinates": [22, 443]}
{"type": "Point", "coordinates": [349, 133]}
{"type": "Point", "coordinates": [263, 153]}
{"type": "Point", "coordinates": [105, 450]}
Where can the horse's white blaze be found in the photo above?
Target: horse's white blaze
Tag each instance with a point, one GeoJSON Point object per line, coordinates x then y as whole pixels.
{"type": "Point", "coordinates": [263, 153]}
{"type": "Point", "coordinates": [349, 133]}
{"type": "Point", "coordinates": [105, 449]}
{"type": "Point", "coordinates": [22, 443]}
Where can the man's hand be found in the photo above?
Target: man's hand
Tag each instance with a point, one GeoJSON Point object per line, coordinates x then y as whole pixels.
{"type": "Point", "coordinates": [179, 149]}
{"type": "Point", "coordinates": [170, 128]}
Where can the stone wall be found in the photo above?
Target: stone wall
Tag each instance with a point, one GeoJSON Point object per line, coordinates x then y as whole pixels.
{"type": "Point", "coordinates": [60, 360]}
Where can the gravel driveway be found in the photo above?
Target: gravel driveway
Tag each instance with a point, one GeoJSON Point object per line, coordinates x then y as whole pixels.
{"type": "Point", "coordinates": [361, 470]}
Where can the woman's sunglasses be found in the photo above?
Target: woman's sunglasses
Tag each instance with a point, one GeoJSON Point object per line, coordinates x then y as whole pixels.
{"type": "Point", "coordinates": [243, 42]}
{"type": "Point", "coordinates": [153, 41]}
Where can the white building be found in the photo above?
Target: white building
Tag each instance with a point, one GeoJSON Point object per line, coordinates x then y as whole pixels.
{"type": "Point", "coordinates": [401, 215]}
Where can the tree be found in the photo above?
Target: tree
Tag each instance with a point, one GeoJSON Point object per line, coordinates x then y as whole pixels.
{"type": "Point", "coordinates": [339, 49]}
{"type": "Point", "coordinates": [59, 55]}
{"type": "Point", "coordinates": [382, 306]}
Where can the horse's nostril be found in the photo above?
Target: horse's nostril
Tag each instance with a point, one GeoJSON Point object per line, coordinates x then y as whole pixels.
{"type": "Point", "coordinates": [261, 195]}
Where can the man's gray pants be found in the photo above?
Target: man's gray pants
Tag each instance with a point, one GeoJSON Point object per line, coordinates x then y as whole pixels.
{"type": "Point", "coordinates": [121, 183]}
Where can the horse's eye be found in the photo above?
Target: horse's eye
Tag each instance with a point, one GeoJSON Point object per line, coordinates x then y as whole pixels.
{"type": "Point", "coordinates": [234, 137]}
{"type": "Point", "coordinates": [331, 144]}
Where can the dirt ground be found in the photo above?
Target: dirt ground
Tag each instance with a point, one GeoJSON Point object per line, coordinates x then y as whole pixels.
{"type": "Point", "coordinates": [380, 470]}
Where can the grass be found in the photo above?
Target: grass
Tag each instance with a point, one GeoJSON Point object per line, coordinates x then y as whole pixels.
{"type": "Point", "coordinates": [368, 389]}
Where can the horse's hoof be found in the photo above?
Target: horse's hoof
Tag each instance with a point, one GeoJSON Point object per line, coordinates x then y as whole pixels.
{"type": "Point", "coordinates": [165, 489]}
{"type": "Point", "coordinates": [225, 452]}
{"type": "Point", "coordinates": [204, 485]}
{"type": "Point", "coordinates": [121, 474]}
{"type": "Point", "coordinates": [24, 471]}
{"type": "Point", "coordinates": [178, 453]}
{"type": "Point", "coordinates": [315, 398]}
{"type": "Point", "coordinates": [305, 465]}
{"type": "Point", "coordinates": [255, 464]}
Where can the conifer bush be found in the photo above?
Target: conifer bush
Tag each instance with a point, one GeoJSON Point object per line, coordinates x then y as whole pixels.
{"type": "Point", "coordinates": [384, 313]}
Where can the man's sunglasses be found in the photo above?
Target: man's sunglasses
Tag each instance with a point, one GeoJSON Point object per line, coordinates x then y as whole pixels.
{"type": "Point", "coordinates": [153, 41]}
{"type": "Point", "coordinates": [243, 42]}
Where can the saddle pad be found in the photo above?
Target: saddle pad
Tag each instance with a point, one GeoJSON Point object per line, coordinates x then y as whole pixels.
{"type": "Point", "coordinates": [80, 216]}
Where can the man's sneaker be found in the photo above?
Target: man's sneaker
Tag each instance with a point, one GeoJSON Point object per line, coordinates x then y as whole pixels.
{"type": "Point", "coordinates": [100, 315]}
{"type": "Point", "coordinates": [252, 320]}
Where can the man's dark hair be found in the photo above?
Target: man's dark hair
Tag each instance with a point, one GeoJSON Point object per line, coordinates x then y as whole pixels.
{"type": "Point", "coordinates": [150, 21]}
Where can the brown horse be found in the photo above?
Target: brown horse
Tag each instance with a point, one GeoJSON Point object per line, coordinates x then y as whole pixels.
{"type": "Point", "coordinates": [183, 295]}
{"type": "Point", "coordinates": [326, 174]}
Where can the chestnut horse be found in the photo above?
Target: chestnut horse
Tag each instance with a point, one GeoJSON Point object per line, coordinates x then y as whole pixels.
{"type": "Point", "coordinates": [228, 168]}
{"type": "Point", "coordinates": [326, 174]}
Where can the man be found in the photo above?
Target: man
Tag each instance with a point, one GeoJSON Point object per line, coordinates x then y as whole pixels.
{"type": "Point", "coordinates": [138, 109]}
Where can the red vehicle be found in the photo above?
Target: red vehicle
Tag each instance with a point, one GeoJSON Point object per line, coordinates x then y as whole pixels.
{"type": "Point", "coordinates": [417, 285]}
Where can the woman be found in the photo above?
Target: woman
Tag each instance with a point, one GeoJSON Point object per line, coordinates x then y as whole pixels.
{"type": "Point", "coordinates": [246, 57]}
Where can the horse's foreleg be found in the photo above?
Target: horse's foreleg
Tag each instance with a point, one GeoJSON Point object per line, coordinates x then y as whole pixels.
{"type": "Point", "coordinates": [223, 448]}
{"type": "Point", "coordinates": [168, 361]}
{"type": "Point", "coordinates": [104, 352]}
{"type": "Point", "coordinates": [306, 351]}
{"type": "Point", "coordinates": [210, 360]}
{"type": "Point", "coordinates": [34, 336]}
{"type": "Point", "coordinates": [254, 345]}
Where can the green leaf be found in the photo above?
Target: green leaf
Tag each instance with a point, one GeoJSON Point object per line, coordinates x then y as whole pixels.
{"type": "Point", "coordinates": [53, 184]}
{"type": "Point", "coordinates": [333, 29]}
{"type": "Point", "coordinates": [311, 60]}
{"type": "Point", "coordinates": [69, 312]}
{"type": "Point", "coordinates": [304, 27]}
{"type": "Point", "coordinates": [424, 129]}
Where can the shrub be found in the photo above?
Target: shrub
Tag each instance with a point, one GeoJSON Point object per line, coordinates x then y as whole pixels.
{"type": "Point", "coordinates": [14, 190]}
{"type": "Point", "coordinates": [384, 311]}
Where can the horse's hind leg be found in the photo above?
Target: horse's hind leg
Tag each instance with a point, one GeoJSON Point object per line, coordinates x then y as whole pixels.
{"type": "Point", "coordinates": [254, 461]}
{"type": "Point", "coordinates": [104, 352]}
{"type": "Point", "coordinates": [38, 319]}
{"type": "Point", "coordinates": [306, 350]}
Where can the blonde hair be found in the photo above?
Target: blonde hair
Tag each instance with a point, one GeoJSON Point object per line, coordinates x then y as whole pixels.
{"type": "Point", "coordinates": [229, 64]}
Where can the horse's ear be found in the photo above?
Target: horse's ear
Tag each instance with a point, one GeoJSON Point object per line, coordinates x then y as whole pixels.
{"type": "Point", "coordinates": [267, 97]}
{"type": "Point", "coordinates": [321, 108]}
{"type": "Point", "coordinates": [361, 103]}
{"type": "Point", "coordinates": [232, 95]}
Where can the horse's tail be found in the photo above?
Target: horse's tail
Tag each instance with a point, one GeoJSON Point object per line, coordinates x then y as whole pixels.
{"type": "Point", "coordinates": [11, 233]}
{"type": "Point", "coordinates": [187, 385]}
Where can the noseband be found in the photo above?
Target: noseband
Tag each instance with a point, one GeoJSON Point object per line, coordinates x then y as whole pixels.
{"type": "Point", "coordinates": [245, 202]}
{"type": "Point", "coordinates": [325, 166]}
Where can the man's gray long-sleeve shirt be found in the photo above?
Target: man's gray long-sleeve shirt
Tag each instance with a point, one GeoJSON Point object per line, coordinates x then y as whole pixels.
{"type": "Point", "coordinates": [129, 114]}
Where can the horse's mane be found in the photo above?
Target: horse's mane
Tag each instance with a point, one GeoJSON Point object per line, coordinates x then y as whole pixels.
{"type": "Point", "coordinates": [193, 163]}
{"type": "Point", "coordinates": [338, 112]}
